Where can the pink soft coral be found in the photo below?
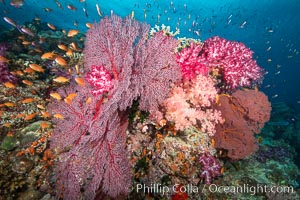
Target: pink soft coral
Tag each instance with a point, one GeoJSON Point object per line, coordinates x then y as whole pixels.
{"type": "Point", "coordinates": [190, 62]}
{"type": "Point", "coordinates": [235, 61]}
{"type": "Point", "coordinates": [202, 91]}
{"type": "Point", "coordinates": [179, 110]}
{"type": "Point", "coordinates": [100, 79]}
{"type": "Point", "coordinates": [232, 59]}
{"type": "Point", "coordinates": [190, 104]}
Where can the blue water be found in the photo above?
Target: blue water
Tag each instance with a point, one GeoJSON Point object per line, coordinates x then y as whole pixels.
{"type": "Point", "coordinates": [269, 27]}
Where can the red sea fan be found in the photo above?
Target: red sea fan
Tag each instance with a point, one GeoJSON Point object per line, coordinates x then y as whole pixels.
{"type": "Point", "coordinates": [236, 134]}
{"type": "Point", "coordinates": [256, 105]}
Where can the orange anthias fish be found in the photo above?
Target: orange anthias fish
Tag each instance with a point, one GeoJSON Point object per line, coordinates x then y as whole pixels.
{"type": "Point", "coordinates": [28, 100]}
{"type": "Point", "coordinates": [3, 59]}
{"type": "Point", "coordinates": [9, 85]}
{"type": "Point", "coordinates": [49, 55]}
{"type": "Point", "coordinates": [61, 79]}
{"type": "Point", "coordinates": [27, 82]}
{"type": "Point", "coordinates": [62, 47]}
{"type": "Point", "coordinates": [69, 52]}
{"type": "Point", "coordinates": [51, 26]}
{"type": "Point", "coordinates": [69, 98]}
{"type": "Point", "coordinates": [59, 60]}
{"type": "Point", "coordinates": [89, 25]}
{"type": "Point", "coordinates": [28, 70]}
{"type": "Point", "coordinates": [55, 95]}
{"type": "Point", "coordinates": [74, 46]}
{"type": "Point", "coordinates": [58, 116]}
{"type": "Point", "coordinates": [30, 116]}
{"type": "Point", "coordinates": [36, 67]}
{"type": "Point", "coordinates": [71, 7]}
{"type": "Point", "coordinates": [79, 81]}
{"type": "Point", "coordinates": [72, 33]}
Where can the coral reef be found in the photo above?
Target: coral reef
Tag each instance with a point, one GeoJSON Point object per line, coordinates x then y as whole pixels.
{"type": "Point", "coordinates": [137, 107]}
{"type": "Point", "coordinates": [159, 154]}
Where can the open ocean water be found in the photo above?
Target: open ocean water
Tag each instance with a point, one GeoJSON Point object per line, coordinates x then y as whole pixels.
{"type": "Point", "coordinates": [31, 28]}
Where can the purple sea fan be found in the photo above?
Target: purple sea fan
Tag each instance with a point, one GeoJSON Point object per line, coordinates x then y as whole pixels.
{"type": "Point", "coordinates": [111, 43]}
{"type": "Point", "coordinates": [154, 69]}
{"type": "Point", "coordinates": [93, 158]}
{"type": "Point", "coordinates": [92, 134]}
{"type": "Point", "coordinates": [140, 66]}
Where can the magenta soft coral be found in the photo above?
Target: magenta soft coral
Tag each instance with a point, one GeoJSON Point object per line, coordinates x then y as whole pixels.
{"type": "Point", "coordinates": [211, 167]}
{"type": "Point", "coordinates": [235, 61]}
{"type": "Point", "coordinates": [100, 79]}
{"type": "Point", "coordinates": [190, 62]}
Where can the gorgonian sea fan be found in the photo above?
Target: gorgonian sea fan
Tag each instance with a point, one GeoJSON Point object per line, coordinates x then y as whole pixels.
{"type": "Point", "coordinates": [140, 66]}
{"type": "Point", "coordinates": [245, 113]}
{"type": "Point", "coordinates": [93, 154]}
{"type": "Point", "coordinates": [123, 64]}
